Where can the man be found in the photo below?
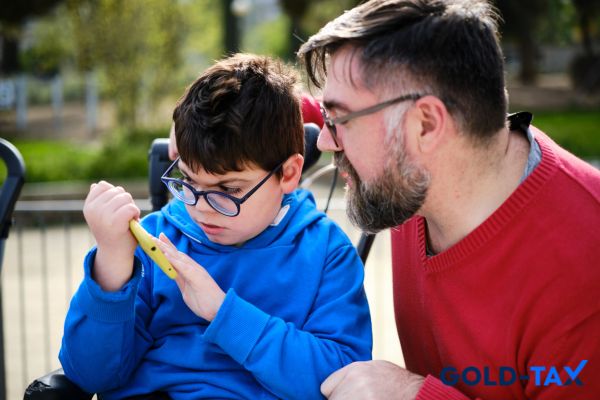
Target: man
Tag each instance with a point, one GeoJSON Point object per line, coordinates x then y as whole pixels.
{"type": "Point", "coordinates": [497, 229]}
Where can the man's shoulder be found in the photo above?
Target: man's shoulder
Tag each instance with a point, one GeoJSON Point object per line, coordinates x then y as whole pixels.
{"type": "Point", "coordinates": [580, 173]}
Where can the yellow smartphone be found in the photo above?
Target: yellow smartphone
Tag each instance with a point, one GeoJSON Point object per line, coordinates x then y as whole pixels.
{"type": "Point", "coordinates": [147, 244]}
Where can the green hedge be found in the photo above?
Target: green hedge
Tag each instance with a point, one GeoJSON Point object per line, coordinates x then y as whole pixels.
{"type": "Point", "coordinates": [576, 130]}
{"type": "Point", "coordinates": [122, 155]}
{"type": "Point", "coordinates": [125, 154]}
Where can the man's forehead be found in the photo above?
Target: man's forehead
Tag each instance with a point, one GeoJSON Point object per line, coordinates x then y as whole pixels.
{"type": "Point", "coordinates": [345, 68]}
{"type": "Point", "coordinates": [345, 84]}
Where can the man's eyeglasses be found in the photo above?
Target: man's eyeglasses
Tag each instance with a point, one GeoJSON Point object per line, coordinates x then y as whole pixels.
{"type": "Point", "coordinates": [221, 202]}
{"type": "Point", "coordinates": [331, 122]}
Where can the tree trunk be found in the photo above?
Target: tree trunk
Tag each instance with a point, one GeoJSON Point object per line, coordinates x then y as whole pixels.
{"type": "Point", "coordinates": [295, 36]}
{"type": "Point", "coordinates": [586, 36]}
{"type": "Point", "coordinates": [231, 29]}
{"type": "Point", "coordinates": [9, 62]}
{"type": "Point", "coordinates": [528, 52]}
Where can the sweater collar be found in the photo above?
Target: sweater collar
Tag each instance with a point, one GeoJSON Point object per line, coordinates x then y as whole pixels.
{"type": "Point", "coordinates": [519, 199]}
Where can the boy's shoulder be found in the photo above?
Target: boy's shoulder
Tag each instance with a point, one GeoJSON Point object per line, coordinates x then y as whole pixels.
{"type": "Point", "coordinates": [318, 225]}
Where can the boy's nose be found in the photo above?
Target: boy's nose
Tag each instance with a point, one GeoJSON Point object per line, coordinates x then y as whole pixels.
{"type": "Point", "coordinates": [203, 206]}
{"type": "Point", "coordinates": [325, 141]}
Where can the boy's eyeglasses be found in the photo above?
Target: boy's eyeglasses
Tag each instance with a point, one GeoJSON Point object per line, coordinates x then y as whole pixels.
{"type": "Point", "coordinates": [221, 202]}
{"type": "Point", "coordinates": [331, 122]}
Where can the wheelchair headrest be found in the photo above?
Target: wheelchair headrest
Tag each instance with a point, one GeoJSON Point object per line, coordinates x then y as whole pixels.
{"type": "Point", "coordinates": [311, 152]}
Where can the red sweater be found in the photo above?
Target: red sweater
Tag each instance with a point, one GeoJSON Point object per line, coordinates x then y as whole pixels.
{"type": "Point", "coordinates": [520, 293]}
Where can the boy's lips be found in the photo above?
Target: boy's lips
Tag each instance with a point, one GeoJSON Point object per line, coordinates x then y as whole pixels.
{"type": "Point", "coordinates": [211, 229]}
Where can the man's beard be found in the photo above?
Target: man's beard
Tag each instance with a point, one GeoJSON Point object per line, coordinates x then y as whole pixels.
{"type": "Point", "coordinates": [390, 199]}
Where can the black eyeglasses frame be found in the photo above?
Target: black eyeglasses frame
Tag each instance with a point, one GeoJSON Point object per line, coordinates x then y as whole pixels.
{"type": "Point", "coordinates": [168, 181]}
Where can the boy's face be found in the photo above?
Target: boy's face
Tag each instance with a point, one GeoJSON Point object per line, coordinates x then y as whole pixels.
{"type": "Point", "coordinates": [256, 213]}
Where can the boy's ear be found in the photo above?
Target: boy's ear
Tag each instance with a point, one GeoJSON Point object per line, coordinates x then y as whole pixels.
{"type": "Point", "coordinates": [291, 171]}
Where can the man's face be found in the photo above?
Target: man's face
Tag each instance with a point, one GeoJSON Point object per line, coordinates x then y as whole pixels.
{"type": "Point", "coordinates": [384, 187]}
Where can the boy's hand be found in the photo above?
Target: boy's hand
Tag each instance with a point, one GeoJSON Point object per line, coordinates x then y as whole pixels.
{"type": "Point", "coordinates": [199, 290]}
{"type": "Point", "coordinates": [107, 211]}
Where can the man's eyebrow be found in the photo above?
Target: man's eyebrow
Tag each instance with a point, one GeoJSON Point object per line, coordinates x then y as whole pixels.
{"type": "Point", "coordinates": [334, 104]}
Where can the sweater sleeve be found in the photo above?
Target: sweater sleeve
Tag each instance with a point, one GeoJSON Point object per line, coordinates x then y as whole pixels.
{"type": "Point", "coordinates": [104, 336]}
{"type": "Point", "coordinates": [292, 361]}
{"type": "Point", "coordinates": [434, 389]}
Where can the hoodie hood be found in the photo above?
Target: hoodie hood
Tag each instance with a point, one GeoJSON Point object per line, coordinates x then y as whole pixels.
{"type": "Point", "coordinates": [282, 231]}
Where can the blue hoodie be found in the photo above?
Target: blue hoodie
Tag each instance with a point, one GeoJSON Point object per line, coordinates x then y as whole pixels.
{"type": "Point", "coordinates": [295, 311]}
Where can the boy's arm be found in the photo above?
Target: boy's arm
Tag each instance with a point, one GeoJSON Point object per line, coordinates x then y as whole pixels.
{"type": "Point", "coordinates": [100, 345]}
{"type": "Point", "coordinates": [292, 361]}
{"type": "Point", "coordinates": [104, 334]}
{"type": "Point", "coordinates": [289, 360]}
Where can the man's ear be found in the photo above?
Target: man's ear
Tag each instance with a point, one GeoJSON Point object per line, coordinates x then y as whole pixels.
{"type": "Point", "coordinates": [291, 172]}
{"type": "Point", "coordinates": [430, 123]}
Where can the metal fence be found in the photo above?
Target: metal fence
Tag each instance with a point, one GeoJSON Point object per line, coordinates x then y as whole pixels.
{"type": "Point", "coordinates": [42, 268]}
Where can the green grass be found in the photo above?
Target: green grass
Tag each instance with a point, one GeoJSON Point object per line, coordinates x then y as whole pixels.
{"type": "Point", "coordinates": [576, 130]}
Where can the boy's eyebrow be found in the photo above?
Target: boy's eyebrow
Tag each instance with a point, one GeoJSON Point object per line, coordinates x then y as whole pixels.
{"type": "Point", "coordinates": [220, 182]}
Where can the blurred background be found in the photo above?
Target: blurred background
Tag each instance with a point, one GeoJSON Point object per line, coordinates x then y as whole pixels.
{"type": "Point", "coordinates": [89, 78]}
{"type": "Point", "coordinates": [86, 85]}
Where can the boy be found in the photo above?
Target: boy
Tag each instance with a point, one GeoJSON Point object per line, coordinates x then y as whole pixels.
{"type": "Point", "coordinates": [268, 300]}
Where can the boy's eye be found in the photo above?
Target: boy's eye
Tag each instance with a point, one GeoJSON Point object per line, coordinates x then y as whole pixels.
{"type": "Point", "coordinates": [230, 190]}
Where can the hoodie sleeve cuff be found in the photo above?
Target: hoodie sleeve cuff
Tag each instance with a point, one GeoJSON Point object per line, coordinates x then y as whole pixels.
{"type": "Point", "coordinates": [108, 306]}
{"type": "Point", "coordinates": [434, 389]}
{"type": "Point", "coordinates": [237, 326]}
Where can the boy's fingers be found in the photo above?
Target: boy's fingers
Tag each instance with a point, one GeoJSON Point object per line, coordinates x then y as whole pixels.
{"type": "Point", "coordinates": [163, 238]}
{"type": "Point", "coordinates": [180, 261]}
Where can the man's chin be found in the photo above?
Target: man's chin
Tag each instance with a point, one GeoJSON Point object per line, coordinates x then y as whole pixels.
{"type": "Point", "coordinates": [372, 214]}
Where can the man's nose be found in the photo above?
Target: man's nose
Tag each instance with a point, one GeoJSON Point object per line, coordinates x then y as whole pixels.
{"type": "Point", "coordinates": [325, 141]}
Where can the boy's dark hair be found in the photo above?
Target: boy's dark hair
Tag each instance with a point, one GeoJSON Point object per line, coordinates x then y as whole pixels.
{"type": "Point", "coordinates": [448, 48]}
{"type": "Point", "coordinates": [242, 110]}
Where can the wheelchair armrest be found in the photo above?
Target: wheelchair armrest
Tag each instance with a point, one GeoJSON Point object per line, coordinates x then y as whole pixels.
{"type": "Point", "coordinates": [55, 386]}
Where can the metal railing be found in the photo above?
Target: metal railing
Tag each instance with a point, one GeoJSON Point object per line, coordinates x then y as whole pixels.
{"type": "Point", "coordinates": [43, 268]}
{"type": "Point", "coordinates": [41, 271]}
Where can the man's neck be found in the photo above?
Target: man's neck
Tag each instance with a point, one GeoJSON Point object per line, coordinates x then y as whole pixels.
{"type": "Point", "coordinates": [472, 182]}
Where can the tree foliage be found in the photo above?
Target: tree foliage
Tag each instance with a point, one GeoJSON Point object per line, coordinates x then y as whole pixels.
{"type": "Point", "coordinates": [12, 16]}
{"type": "Point", "coordinates": [136, 43]}
{"type": "Point", "coordinates": [588, 12]}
